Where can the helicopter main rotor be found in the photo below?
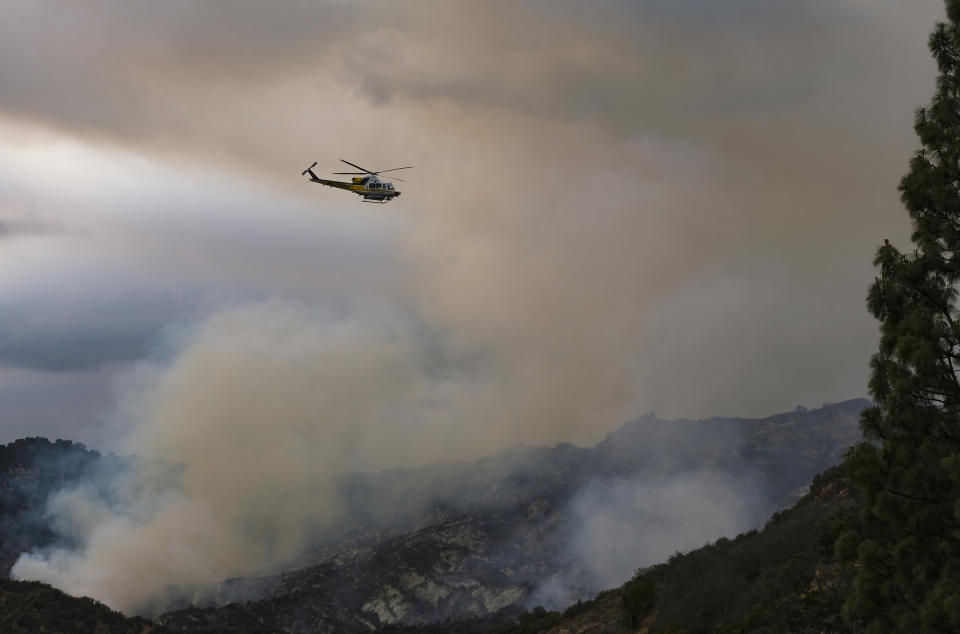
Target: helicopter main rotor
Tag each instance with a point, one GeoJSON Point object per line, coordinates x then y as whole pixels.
{"type": "Point", "coordinates": [371, 172]}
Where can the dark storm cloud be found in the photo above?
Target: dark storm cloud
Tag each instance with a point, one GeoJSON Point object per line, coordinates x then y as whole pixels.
{"type": "Point", "coordinates": [637, 66]}
{"type": "Point", "coordinates": [72, 331]}
{"type": "Point", "coordinates": [756, 12]}
{"type": "Point", "coordinates": [70, 405]}
{"type": "Point", "coordinates": [137, 71]}
{"type": "Point", "coordinates": [61, 352]}
{"type": "Point", "coordinates": [169, 73]}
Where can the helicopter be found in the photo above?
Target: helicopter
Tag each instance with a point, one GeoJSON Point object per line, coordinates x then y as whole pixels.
{"type": "Point", "coordinates": [366, 183]}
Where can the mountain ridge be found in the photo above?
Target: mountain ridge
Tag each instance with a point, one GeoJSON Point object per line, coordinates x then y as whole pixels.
{"type": "Point", "coordinates": [395, 595]}
{"type": "Point", "coordinates": [478, 539]}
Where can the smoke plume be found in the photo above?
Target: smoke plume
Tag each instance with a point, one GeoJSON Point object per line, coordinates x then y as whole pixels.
{"type": "Point", "coordinates": [258, 406]}
{"type": "Point", "coordinates": [623, 524]}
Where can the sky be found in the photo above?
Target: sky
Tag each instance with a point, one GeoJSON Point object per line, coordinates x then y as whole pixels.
{"type": "Point", "coordinates": [617, 207]}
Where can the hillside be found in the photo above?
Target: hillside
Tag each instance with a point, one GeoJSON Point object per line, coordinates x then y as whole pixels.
{"type": "Point", "coordinates": [480, 540]}
{"type": "Point", "coordinates": [31, 470]}
{"type": "Point", "coordinates": [782, 578]}
{"type": "Point", "coordinates": [28, 607]}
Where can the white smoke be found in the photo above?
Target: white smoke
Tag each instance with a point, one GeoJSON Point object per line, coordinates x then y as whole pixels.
{"type": "Point", "coordinates": [624, 524]}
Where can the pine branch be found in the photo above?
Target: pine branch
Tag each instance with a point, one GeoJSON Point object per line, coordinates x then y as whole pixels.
{"type": "Point", "coordinates": [911, 498]}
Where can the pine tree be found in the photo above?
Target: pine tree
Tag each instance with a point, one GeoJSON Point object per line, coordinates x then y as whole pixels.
{"type": "Point", "coordinates": [908, 553]}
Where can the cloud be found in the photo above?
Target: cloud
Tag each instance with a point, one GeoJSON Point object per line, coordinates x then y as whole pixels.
{"type": "Point", "coordinates": [71, 405]}
{"type": "Point", "coordinates": [76, 320]}
{"type": "Point", "coordinates": [248, 82]}
{"type": "Point", "coordinates": [18, 213]}
{"type": "Point", "coordinates": [582, 175]}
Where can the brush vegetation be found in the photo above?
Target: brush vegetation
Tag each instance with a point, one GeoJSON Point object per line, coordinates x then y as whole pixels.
{"type": "Point", "coordinates": [783, 578]}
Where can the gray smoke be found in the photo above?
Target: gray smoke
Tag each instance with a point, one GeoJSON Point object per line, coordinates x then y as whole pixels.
{"type": "Point", "coordinates": [623, 524]}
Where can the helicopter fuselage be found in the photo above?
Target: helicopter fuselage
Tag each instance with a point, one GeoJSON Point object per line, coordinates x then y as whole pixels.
{"type": "Point", "coordinates": [368, 186]}
{"type": "Point", "coordinates": [373, 189]}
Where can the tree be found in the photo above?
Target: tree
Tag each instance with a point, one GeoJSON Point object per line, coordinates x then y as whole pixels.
{"type": "Point", "coordinates": [909, 543]}
{"type": "Point", "coordinates": [639, 598]}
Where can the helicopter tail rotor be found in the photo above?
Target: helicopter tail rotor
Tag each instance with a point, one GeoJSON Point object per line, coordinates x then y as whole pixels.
{"type": "Point", "coordinates": [309, 170]}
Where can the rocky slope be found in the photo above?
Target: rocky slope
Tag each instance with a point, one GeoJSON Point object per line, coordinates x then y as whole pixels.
{"type": "Point", "coordinates": [782, 578]}
{"type": "Point", "coordinates": [461, 567]}
{"type": "Point", "coordinates": [453, 540]}
{"type": "Point", "coordinates": [474, 540]}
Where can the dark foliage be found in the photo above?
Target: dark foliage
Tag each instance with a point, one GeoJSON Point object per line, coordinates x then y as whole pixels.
{"type": "Point", "coordinates": [30, 470]}
{"type": "Point", "coordinates": [639, 598]}
{"type": "Point", "coordinates": [36, 607]}
{"type": "Point", "coordinates": [782, 578]}
{"type": "Point", "coordinates": [536, 620]}
{"type": "Point", "coordinates": [31, 607]}
{"type": "Point", "coordinates": [908, 544]}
